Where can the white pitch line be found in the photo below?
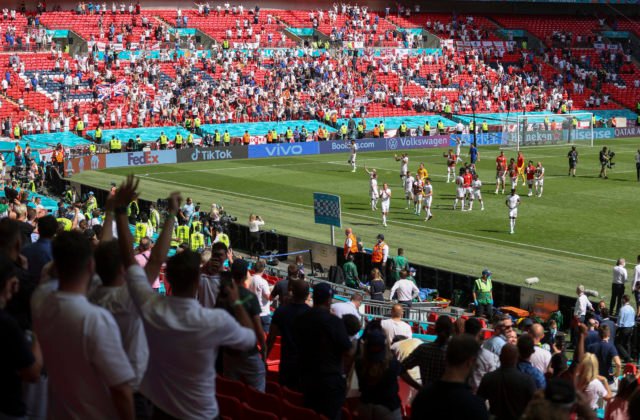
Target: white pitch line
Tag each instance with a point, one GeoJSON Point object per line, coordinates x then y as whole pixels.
{"type": "Point", "coordinates": [389, 221]}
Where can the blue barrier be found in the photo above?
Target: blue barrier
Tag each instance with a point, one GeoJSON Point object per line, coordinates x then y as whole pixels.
{"type": "Point", "coordinates": [146, 134]}
{"type": "Point", "coordinates": [283, 149]}
{"type": "Point", "coordinates": [489, 139]}
{"type": "Point", "coordinates": [66, 138]}
{"type": "Point", "coordinates": [364, 145]}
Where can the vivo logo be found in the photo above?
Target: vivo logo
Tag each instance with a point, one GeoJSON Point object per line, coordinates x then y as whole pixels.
{"type": "Point", "coordinates": [202, 154]}
{"type": "Point", "coordinates": [145, 159]}
{"type": "Point", "coordinates": [284, 150]}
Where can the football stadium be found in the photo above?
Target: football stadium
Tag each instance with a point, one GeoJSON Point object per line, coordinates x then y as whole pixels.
{"type": "Point", "coordinates": [320, 210]}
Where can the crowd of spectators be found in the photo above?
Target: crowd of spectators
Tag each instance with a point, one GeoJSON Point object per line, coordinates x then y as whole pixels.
{"type": "Point", "coordinates": [146, 335]}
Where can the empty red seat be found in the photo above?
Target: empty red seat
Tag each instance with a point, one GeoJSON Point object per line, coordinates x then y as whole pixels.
{"type": "Point", "coordinates": [295, 398]}
{"type": "Point", "coordinates": [264, 401]}
{"type": "Point", "coordinates": [255, 414]}
{"type": "Point", "coordinates": [230, 407]}
{"type": "Point", "coordinates": [231, 388]}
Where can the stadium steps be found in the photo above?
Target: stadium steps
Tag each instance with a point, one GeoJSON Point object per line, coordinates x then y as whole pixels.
{"type": "Point", "coordinates": [15, 102]}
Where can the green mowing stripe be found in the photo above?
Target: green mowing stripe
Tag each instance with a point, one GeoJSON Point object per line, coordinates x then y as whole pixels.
{"type": "Point", "coordinates": [571, 235]}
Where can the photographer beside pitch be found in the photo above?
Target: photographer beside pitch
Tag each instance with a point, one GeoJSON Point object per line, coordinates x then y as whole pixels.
{"type": "Point", "coordinates": [606, 161]}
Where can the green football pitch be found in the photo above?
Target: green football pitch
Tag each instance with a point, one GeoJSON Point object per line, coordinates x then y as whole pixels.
{"type": "Point", "coordinates": [571, 235]}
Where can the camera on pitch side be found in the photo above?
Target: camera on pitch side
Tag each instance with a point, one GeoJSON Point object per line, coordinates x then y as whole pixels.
{"type": "Point", "coordinates": [611, 163]}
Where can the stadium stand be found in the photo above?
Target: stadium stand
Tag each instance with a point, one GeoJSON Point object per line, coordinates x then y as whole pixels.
{"type": "Point", "coordinates": [145, 73]}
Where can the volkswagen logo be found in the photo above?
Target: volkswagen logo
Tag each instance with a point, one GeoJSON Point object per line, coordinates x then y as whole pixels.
{"type": "Point", "coordinates": [393, 144]}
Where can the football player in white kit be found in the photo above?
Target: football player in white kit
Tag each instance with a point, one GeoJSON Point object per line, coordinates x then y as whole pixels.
{"type": "Point", "coordinates": [418, 195]}
{"type": "Point", "coordinates": [459, 191]}
{"type": "Point", "coordinates": [408, 188]}
{"type": "Point", "coordinates": [428, 198]}
{"type": "Point", "coordinates": [459, 142]}
{"type": "Point", "coordinates": [385, 202]}
{"type": "Point", "coordinates": [539, 182]}
{"type": "Point", "coordinates": [476, 193]}
{"type": "Point", "coordinates": [513, 201]}
{"type": "Point", "coordinates": [404, 165]}
{"type": "Point", "coordinates": [352, 160]}
{"type": "Point", "coordinates": [373, 187]}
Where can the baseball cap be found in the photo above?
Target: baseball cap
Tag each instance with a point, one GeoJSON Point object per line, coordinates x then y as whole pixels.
{"type": "Point", "coordinates": [486, 272]}
{"type": "Point", "coordinates": [322, 292]}
{"type": "Point", "coordinates": [90, 192]}
{"type": "Point", "coordinates": [380, 236]}
{"type": "Point", "coordinates": [412, 269]}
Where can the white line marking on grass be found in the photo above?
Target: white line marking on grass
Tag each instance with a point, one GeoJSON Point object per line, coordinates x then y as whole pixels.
{"type": "Point", "coordinates": [355, 215]}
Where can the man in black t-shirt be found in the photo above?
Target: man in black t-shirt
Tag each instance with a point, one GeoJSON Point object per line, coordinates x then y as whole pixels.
{"type": "Point", "coordinates": [248, 367]}
{"type": "Point", "coordinates": [450, 397]}
{"type": "Point", "coordinates": [282, 325]}
{"type": "Point", "coordinates": [322, 343]}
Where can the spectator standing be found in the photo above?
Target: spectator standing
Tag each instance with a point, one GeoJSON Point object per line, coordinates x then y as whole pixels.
{"type": "Point", "coordinates": [501, 325]}
{"type": "Point", "coordinates": [282, 325]}
{"type": "Point", "coordinates": [618, 407]}
{"type": "Point", "coordinates": [395, 326]}
{"type": "Point", "coordinates": [590, 382]}
{"type": "Point", "coordinates": [247, 366]}
{"type": "Point", "coordinates": [322, 342]}
{"type": "Point", "coordinates": [525, 349]}
{"type": "Point", "coordinates": [89, 376]}
{"type": "Point", "coordinates": [340, 309]}
{"type": "Point", "coordinates": [260, 287]}
{"type": "Point", "coordinates": [378, 370]}
{"type": "Point", "coordinates": [507, 389]}
{"type": "Point", "coordinates": [181, 333]}
{"type": "Point", "coordinates": [20, 358]}
{"type": "Point", "coordinates": [450, 397]}
{"type": "Point", "coordinates": [350, 243]}
{"type": "Point", "coordinates": [255, 223]}
{"type": "Point", "coordinates": [617, 287]}
{"type": "Point", "coordinates": [404, 290]}
{"type": "Point", "coordinates": [380, 254]}
{"type": "Point", "coordinates": [38, 254]}
{"type": "Point", "coordinates": [486, 361]}
{"type": "Point", "coordinates": [607, 354]}
{"type": "Point", "coordinates": [626, 323]}
{"type": "Point", "coordinates": [604, 315]}
{"type": "Point", "coordinates": [541, 357]}
{"type": "Point", "coordinates": [280, 291]}
{"type": "Point", "coordinates": [635, 288]}
{"type": "Point", "coordinates": [430, 357]}
{"type": "Point", "coordinates": [580, 311]}
{"type": "Point", "coordinates": [376, 285]}
{"type": "Point", "coordinates": [400, 262]}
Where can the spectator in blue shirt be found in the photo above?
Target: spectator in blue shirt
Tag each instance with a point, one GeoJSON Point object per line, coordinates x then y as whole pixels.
{"type": "Point", "coordinates": [626, 322]}
{"type": "Point", "coordinates": [525, 348]}
{"type": "Point", "coordinates": [38, 254]}
{"type": "Point", "coordinates": [607, 354]}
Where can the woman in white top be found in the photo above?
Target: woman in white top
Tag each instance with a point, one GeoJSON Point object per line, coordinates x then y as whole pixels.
{"type": "Point", "coordinates": [254, 233]}
{"type": "Point", "coordinates": [590, 382]}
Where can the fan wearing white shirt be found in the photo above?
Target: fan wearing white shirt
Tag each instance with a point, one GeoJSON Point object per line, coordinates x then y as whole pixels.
{"type": "Point", "coordinates": [404, 290]}
{"type": "Point", "coordinates": [260, 287]}
{"type": "Point", "coordinates": [89, 373]}
{"type": "Point", "coordinates": [635, 287]}
{"type": "Point", "coordinates": [352, 307]}
{"type": "Point", "coordinates": [184, 338]}
{"type": "Point", "coordinates": [395, 326]}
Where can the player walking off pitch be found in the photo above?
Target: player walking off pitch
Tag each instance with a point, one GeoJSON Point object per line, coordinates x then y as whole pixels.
{"type": "Point", "coordinates": [513, 201]}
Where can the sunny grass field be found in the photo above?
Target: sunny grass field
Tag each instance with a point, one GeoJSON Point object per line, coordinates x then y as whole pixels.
{"type": "Point", "coordinates": [571, 235]}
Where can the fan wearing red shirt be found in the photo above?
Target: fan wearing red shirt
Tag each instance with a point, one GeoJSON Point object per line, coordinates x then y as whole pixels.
{"type": "Point", "coordinates": [501, 170]}
{"type": "Point", "coordinates": [531, 174]}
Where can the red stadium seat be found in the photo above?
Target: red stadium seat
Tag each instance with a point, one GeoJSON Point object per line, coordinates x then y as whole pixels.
{"type": "Point", "coordinates": [264, 401]}
{"type": "Point", "coordinates": [293, 412]}
{"type": "Point", "coordinates": [293, 397]}
{"type": "Point", "coordinates": [254, 414]}
{"type": "Point", "coordinates": [230, 407]}
{"type": "Point", "coordinates": [274, 388]}
{"type": "Point", "coordinates": [231, 388]}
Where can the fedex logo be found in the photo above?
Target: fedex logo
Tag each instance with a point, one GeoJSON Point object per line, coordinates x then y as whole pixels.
{"type": "Point", "coordinates": [146, 158]}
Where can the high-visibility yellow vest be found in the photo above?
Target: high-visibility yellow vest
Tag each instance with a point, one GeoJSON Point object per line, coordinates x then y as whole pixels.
{"type": "Point", "coordinates": [154, 218]}
{"type": "Point", "coordinates": [381, 128]}
{"type": "Point", "coordinates": [485, 126]}
{"type": "Point", "coordinates": [92, 149]}
{"type": "Point", "coordinates": [403, 128]}
{"type": "Point", "coordinates": [574, 122]}
{"type": "Point", "coordinates": [274, 134]}
{"type": "Point", "coordinates": [66, 222]}
{"type": "Point", "coordinates": [440, 126]}
{"type": "Point", "coordinates": [183, 234]}
{"type": "Point", "coordinates": [217, 137]}
{"type": "Point", "coordinates": [343, 129]}
{"type": "Point", "coordinates": [197, 241]}
{"type": "Point", "coordinates": [112, 144]}
{"type": "Point", "coordinates": [118, 144]}
{"type": "Point", "coordinates": [133, 204]}
{"type": "Point", "coordinates": [563, 108]}
{"type": "Point", "coordinates": [289, 134]}
{"type": "Point", "coordinates": [92, 204]}
{"type": "Point", "coordinates": [224, 238]}
{"type": "Point", "coordinates": [447, 109]}
{"type": "Point", "coordinates": [196, 225]}
{"type": "Point", "coordinates": [427, 127]}
{"type": "Point", "coordinates": [16, 131]}
{"type": "Point", "coordinates": [79, 125]}
{"type": "Point", "coordinates": [190, 139]}
{"type": "Point", "coordinates": [163, 139]}
{"type": "Point", "coordinates": [227, 138]}
{"type": "Point", "coordinates": [225, 44]}
{"type": "Point", "coordinates": [471, 127]}
{"type": "Point", "coordinates": [179, 139]}
{"type": "Point", "coordinates": [98, 134]}
{"type": "Point", "coordinates": [360, 128]}
{"type": "Point", "coordinates": [483, 290]}
{"type": "Point", "coordinates": [196, 122]}
{"type": "Point", "coordinates": [141, 231]}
